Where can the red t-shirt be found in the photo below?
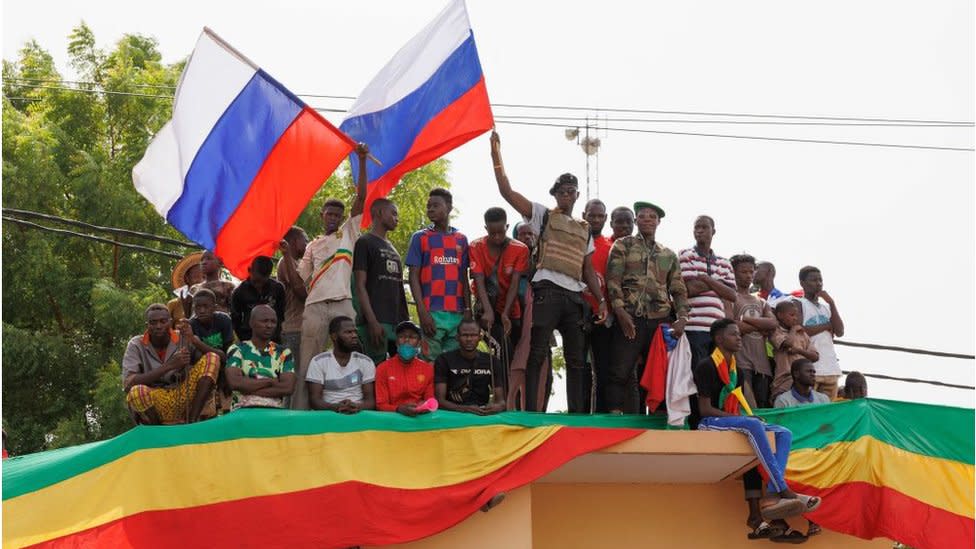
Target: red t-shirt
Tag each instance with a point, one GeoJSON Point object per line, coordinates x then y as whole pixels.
{"type": "Point", "coordinates": [601, 254]}
{"type": "Point", "coordinates": [515, 257]}
{"type": "Point", "coordinates": [399, 382]}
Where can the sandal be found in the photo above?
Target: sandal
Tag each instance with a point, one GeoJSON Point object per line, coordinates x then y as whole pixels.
{"type": "Point", "coordinates": [765, 530]}
{"type": "Point", "coordinates": [783, 508]}
{"type": "Point", "coordinates": [789, 536]}
{"type": "Point", "coordinates": [811, 502]}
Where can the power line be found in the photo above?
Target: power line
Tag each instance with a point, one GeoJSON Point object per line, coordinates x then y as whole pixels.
{"type": "Point", "coordinates": [102, 92]}
{"type": "Point", "coordinates": [756, 137]}
{"type": "Point", "coordinates": [739, 115]}
{"type": "Point", "coordinates": [111, 230]}
{"type": "Point", "coordinates": [915, 380]}
{"type": "Point", "coordinates": [902, 349]}
{"type": "Point", "coordinates": [617, 109]}
{"type": "Point", "coordinates": [749, 122]}
{"type": "Point", "coordinates": [91, 237]}
{"type": "Point", "coordinates": [85, 83]}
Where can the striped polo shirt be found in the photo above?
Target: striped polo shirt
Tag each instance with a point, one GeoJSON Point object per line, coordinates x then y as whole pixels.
{"type": "Point", "coordinates": [708, 307]}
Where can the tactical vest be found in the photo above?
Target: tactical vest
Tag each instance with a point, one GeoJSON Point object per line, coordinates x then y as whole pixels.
{"type": "Point", "coordinates": [563, 245]}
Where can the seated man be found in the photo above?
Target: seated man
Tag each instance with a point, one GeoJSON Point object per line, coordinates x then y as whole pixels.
{"type": "Point", "coordinates": [208, 330]}
{"type": "Point", "coordinates": [165, 379]}
{"type": "Point", "coordinates": [404, 381]}
{"type": "Point", "coordinates": [465, 379]}
{"type": "Point", "coordinates": [804, 377]}
{"type": "Point", "coordinates": [716, 377]}
{"type": "Point", "coordinates": [341, 380]}
{"type": "Point", "coordinates": [802, 393]}
{"type": "Point", "coordinates": [855, 387]}
{"type": "Point", "coordinates": [261, 372]}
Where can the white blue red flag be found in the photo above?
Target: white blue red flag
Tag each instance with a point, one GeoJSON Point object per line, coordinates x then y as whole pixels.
{"type": "Point", "coordinates": [239, 160]}
{"type": "Point", "coordinates": [429, 99]}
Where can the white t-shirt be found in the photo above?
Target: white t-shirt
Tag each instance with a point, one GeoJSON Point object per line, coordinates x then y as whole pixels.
{"type": "Point", "coordinates": [341, 382]}
{"type": "Point", "coordinates": [816, 314]}
{"type": "Point", "coordinates": [559, 279]}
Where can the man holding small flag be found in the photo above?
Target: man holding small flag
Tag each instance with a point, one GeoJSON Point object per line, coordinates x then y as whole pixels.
{"type": "Point", "coordinates": [428, 100]}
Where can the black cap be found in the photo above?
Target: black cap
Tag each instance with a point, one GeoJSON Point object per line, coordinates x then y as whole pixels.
{"type": "Point", "coordinates": [407, 325]}
{"type": "Point", "coordinates": [562, 180]}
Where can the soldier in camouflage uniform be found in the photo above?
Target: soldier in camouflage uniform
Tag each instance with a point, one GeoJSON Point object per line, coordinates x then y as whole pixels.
{"type": "Point", "coordinates": [645, 289]}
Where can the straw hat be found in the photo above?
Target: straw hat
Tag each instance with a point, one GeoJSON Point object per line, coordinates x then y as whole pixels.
{"type": "Point", "coordinates": [179, 272]}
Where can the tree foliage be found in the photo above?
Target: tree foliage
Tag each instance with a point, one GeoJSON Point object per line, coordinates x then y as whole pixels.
{"type": "Point", "coordinates": [69, 304]}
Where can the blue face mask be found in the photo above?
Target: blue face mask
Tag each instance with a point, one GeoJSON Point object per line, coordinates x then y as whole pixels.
{"type": "Point", "coordinates": [406, 351]}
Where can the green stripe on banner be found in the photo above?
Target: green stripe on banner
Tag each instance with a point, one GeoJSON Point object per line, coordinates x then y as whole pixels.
{"type": "Point", "coordinates": [32, 472]}
{"type": "Point", "coordinates": [935, 431]}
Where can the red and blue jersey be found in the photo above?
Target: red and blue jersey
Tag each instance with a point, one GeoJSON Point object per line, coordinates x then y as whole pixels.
{"type": "Point", "coordinates": [442, 259]}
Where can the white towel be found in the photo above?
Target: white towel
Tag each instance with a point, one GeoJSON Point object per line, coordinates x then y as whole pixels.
{"type": "Point", "coordinates": [681, 384]}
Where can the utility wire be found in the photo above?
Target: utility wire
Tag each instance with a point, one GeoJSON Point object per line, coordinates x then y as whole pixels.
{"type": "Point", "coordinates": [631, 130]}
{"type": "Point", "coordinates": [83, 83]}
{"type": "Point", "coordinates": [755, 137]}
{"type": "Point", "coordinates": [617, 109]}
{"type": "Point", "coordinates": [750, 122]}
{"type": "Point", "coordinates": [738, 115]}
{"type": "Point", "coordinates": [102, 92]}
{"type": "Point", "coordinates": [91, 237]}
{"type": "Point", "coordinates": [902, 349]}
{"type": "Point", "coordinates": [914, 380]}
{"type": "Point", "coordinates": [111, 230]}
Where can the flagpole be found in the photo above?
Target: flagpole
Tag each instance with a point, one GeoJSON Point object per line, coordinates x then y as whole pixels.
{"type": "Point", "coordinates": [209, 32]}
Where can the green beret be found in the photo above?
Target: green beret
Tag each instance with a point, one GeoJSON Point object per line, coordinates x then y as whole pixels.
{"type": "Point", "coordinates": [655, 207]}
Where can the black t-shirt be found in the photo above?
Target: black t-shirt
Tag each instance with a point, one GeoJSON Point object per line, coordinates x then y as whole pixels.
{"type": "Point", "coordinates": [220, 333]}
{"type": "Point", "coordinates": [468, 382]}
{"type": "Point", "coordinates": [708, 384]}
{"type": "Point", "coordinates": [384, 278]}
{"type": "Point", "coordinates": [246, 296]}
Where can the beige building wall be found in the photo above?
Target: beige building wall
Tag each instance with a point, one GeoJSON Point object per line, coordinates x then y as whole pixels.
{"type": "Point", "coordinates": [597, 516]}
{"type": "Point", "coordinates": [581, 516]}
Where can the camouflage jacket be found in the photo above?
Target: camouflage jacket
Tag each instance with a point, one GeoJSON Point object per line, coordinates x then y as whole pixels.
{"type": "Point", "coordinates": [645, 280]}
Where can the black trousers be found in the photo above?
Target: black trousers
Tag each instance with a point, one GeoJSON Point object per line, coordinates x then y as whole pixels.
{"type": "Point", "coordinates": [760, 384]}
{"type": "Point", "coordinates": [627, 365]}
{"type": "Point", "coordinates": [507, 344]}
{"type": "Point", "coordinates": [556, 308]}
{"type": "Point", "coordinates": [598, 347]}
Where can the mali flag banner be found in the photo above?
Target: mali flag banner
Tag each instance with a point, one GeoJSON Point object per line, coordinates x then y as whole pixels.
{"type": "Point", "coordinates": [278, 477]}
{"type": "Point", "coordinates": [885, 469]}
{"type": "Point", "coordinates": [284, 478]}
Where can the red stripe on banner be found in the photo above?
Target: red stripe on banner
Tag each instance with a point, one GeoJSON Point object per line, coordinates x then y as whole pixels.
{"type": "Point", "coordinates": [462, 121]}
{"type": "Point", "coordinates": [302, 160]}
{"type": "Point", "coordinates": [340, 515]}
{"type": "Point", "coordinates": [867, 511]}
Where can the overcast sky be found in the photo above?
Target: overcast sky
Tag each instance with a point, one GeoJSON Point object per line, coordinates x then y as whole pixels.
{"type": "Point", "coordinates": [891, 229]}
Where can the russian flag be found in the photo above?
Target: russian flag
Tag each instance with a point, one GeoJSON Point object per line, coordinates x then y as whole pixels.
{"type": "Point", "coordinates": [239, 160]}
{"type": "Point", "coordinates": [429, 99]}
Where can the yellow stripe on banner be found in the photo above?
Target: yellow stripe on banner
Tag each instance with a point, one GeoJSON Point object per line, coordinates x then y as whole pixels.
{"type": "Point", "coordinates": [201, 474]}
{"type": "Point", "coordinates": [938, 482]}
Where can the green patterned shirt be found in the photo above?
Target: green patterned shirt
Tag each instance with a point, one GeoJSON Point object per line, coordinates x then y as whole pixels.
{"type": "Point", "coordinates": [269, 363]}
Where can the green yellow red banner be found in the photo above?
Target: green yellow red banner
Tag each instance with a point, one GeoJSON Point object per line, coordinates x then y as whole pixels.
{"type": "Point", "coordinates": [271, 477]}
{"type": "Point", "coordinates": [886, 469]}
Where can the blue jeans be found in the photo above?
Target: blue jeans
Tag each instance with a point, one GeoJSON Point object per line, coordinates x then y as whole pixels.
{"type": "Point", "coordinates": [755, 430]}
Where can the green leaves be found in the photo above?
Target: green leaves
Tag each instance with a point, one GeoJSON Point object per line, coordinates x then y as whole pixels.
{"type": "Point", "coordinates": [70, 305]}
